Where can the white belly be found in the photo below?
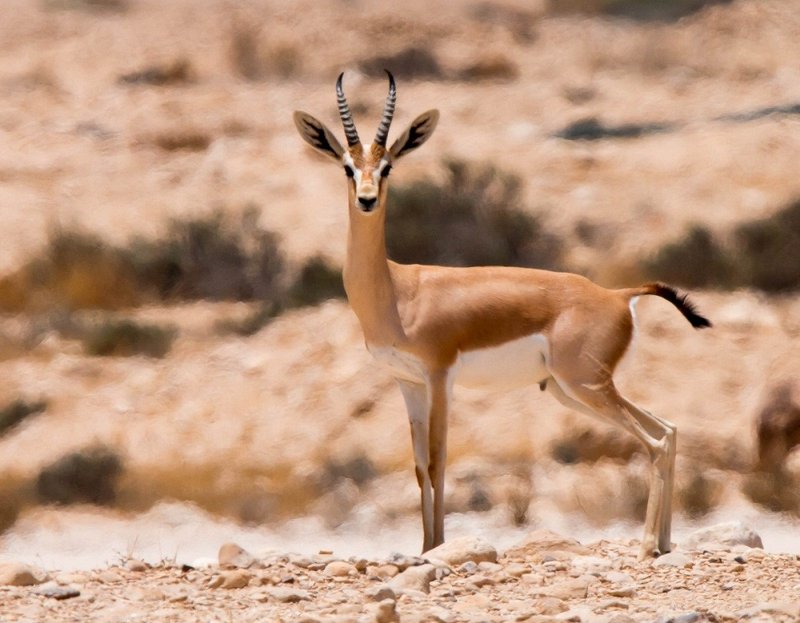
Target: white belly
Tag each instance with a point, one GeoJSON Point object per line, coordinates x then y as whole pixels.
{"type": "Point", "coordinates": [510, 365]}
{"type": "Point", "coordinates": [513, 364]}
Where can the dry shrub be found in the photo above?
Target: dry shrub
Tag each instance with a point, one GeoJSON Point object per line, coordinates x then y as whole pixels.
{"type": "Point", "coordinates": [768, 250]}
{"type": "Point", "coordinates": [778, 492]}
{"type": "Point", "coordinates": [116, 6]}
{"type": "Point", "coordinates": [777, 427]}
{"type": "Point", "coordinates": [358, 469]}
{"type": "Point", "coordinates": [215, 257]}
{"type": "Point", "coordinates": [764, 254]}
{"type": "Point", "coordinates": [411, 63]}
{"type": "Point", "coordinates": [178, 71]}
{"type": "Point", "coordinates": [18, 410]}
{"type": "Point", "coordinates": [647, 10]}
{"type": "Point", "coordinates": [16, 495]}
{"type": "Point", "coordinates": [496, 67]}
{"type": "Point", "coordinates": [88, 476]}
{"type": "Point", "coordinates": [76, 271]}
{"type": "Point", "coordinates": [182, 140]}
{"type": "Point", "coordinates": [519, 22]}
{"type": "Point", "coordinates": [474, 217]}
{"type": "Point", "coordinates": [253, 58]}
{"type": "Point", "coordinates": [697, 261]}
{"type": "Point", "coordinates": [591, 129]}
{"type": "Point", "coordinates": [592, 444]}
{"type": "Point", "coordinates": [212, 257]}
{"type": "Point", "coordinates": [252, 322]}
{"type": "Point", "coordinates": [126, 338]}
{"type": "Point", "coordinates": [317, 281]}
{"type": "Point", "coordinates": [699, 494]}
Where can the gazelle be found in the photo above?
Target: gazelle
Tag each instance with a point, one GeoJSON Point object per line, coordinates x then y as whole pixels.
{"type": "Point", "coordinates": [435, 326]}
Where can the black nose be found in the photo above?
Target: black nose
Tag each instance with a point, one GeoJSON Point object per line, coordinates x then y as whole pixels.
{"type": "Point", "coordinates": [367, 203]}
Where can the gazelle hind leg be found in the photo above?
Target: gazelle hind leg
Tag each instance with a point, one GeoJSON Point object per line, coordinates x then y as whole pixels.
{"type": "Point", "coordinates": [417, 405]}
{"type": "Point", "coordinates": [658, 436]}
{"type": "Point", "coordinates": [670, 441]}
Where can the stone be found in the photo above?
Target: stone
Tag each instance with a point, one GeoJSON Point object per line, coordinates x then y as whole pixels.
{"type": "Point", "coordinates": [592, 565]}
{"type": "Point", "coordinates": [144, 593]}
{"type": "Point", "coordinates": [403, 562]}
{"type": "Point", "coordinates": [414, 579]}
{"type": "Point", "coordinates": [382, 572]}
{"type": "Point", "coordinates": [386, 612]}
{"type": "Point", "coordinates": [380, 592]}
{"type": "Point", "coordinates": [135, 565]}
{"type": "Point", "coordinates": [232, 555]}
{"type": "Point", "coordinates": [339, 568]}
{"type": "Point", "coordinates": [288, 595]}
{"type": "Point", "coordinates": [548, 605]}
{"type": "Point", "coordinates": [236, 578]}
{"type": "Point", "coordinates": [541, 543]}
{"type": "Point", "coordinates": [516, 570]}
{"type": "Point", "coordinates": [459, 551]}
{"type": "Point", "coordinates": [673, 559]}
{"type": "Point", "coordinates": [569, 589]}
{"type": "Point", "coordinates": [628, 590]}
{"type": "Point", "coordinates": [722, 536]}
{"type": "Point", "coordinates": [57, 592]}
{"type": "Point", "coordinates": [479, 581]}
{"type": "Point", "coordinates": [19, 574]}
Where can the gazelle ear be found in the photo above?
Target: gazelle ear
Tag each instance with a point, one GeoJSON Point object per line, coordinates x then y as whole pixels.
{"type": "Point", "coordinates": [417, 133]}
{"type": "Point", "coordinates": [316, 134]}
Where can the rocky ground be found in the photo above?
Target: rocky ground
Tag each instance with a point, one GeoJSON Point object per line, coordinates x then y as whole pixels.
{"type": "Point", "coordinates": [719, 574]}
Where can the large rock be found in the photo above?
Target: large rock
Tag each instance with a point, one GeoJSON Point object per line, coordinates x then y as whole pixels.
{"type": "Point", "coordinates": [722, 536]}
{"type": "Point", "coordinates": [18, 574]}
{"type": "Point", "coordinates": [233, 555]}
{"type": "Point", "coordinates": [461, 550]}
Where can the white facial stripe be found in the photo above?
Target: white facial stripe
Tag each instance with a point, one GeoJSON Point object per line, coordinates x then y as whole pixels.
{"type": "Point", "coordinates": [347, 159]}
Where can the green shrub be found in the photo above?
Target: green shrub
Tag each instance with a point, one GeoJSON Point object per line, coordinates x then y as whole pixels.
{"type": "Point", "coordinates": [475, 217]}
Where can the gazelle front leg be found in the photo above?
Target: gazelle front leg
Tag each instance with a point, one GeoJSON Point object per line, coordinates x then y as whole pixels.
{"type": "Point", "coordinates": [418, 406]}
{"type": "Point", "coordinates": [439, 389]}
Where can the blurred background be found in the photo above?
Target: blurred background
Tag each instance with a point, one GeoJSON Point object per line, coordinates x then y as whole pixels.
{"type": "Point", "coordinates": [178, 367]}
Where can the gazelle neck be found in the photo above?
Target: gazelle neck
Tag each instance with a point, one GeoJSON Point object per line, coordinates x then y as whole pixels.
{"type": "Point", "coordinates": [367, 279]}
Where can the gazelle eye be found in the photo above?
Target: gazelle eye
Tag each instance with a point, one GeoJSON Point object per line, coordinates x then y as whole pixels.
{"type": "Point", "coordinates": [348, 171]}
{"type": "Point", "coordinates": [386, 170]}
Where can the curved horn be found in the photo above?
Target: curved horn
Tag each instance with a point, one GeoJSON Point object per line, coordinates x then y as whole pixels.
{"type": "Point", "coordinates": [346, 115]}
{"type": "Point", "coordinates": [388, 112]}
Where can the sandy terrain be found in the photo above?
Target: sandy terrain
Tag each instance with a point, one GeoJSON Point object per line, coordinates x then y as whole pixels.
{"type": "Point", "coordinates": [248, 433]}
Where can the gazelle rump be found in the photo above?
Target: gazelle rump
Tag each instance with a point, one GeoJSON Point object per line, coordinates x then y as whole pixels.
{"type": "Point", "coordinates": [487, 326]}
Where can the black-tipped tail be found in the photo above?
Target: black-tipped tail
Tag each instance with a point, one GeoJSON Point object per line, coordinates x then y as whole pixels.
{"type": "Point", "coordinates": [681, 301]}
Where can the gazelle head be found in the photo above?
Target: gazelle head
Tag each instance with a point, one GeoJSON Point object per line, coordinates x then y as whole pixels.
{"type": "Point", "coordinates": [367, 169]}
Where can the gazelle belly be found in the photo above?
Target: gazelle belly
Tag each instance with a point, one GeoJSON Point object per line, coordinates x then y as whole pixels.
{"type": "Point", "coordinates": [507, 366]}
{"type": "Point", "coordinates": [510, 365]}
